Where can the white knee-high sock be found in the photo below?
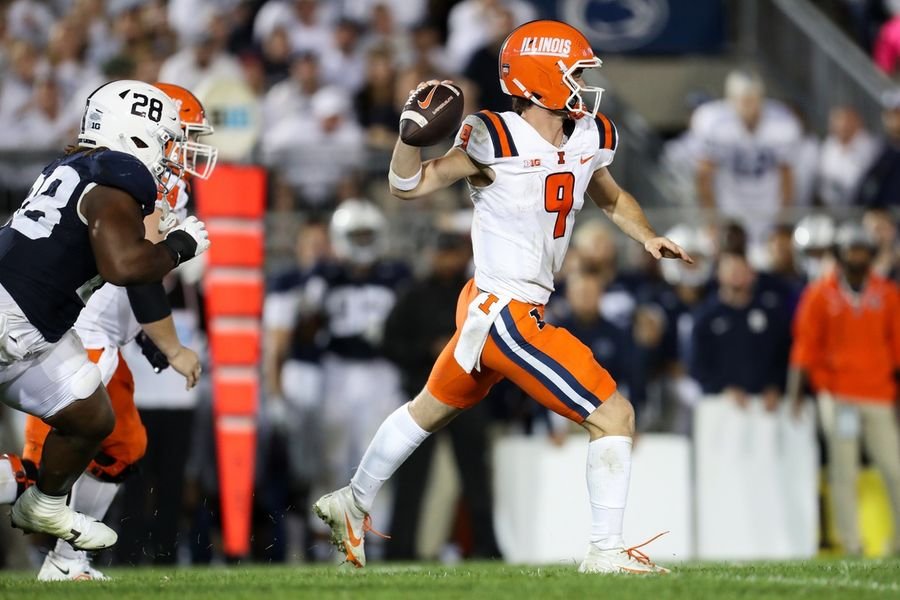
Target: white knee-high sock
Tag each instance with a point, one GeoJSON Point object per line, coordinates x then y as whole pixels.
{"type": "Point", "coordinates": [608, 473]}
{"type": "Point", "coordinates": [93, 498]}
{"type": "Point", "coordinates": [394, 441]}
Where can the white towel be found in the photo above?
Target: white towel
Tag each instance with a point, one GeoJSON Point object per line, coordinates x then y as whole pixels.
{"type": "Point", "coordinates": [476, 329]}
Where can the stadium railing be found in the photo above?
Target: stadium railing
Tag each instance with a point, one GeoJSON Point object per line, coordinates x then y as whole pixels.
{"type": "Point", "coordinates": [810, 58]}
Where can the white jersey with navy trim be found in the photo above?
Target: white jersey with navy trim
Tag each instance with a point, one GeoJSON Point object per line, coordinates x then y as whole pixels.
{"type": "Point", "coordinates": [523, 219]}
{"type": "Point", "coordinates": [107, 319]}
{"type": "Point", "coordinates": [748, 186]}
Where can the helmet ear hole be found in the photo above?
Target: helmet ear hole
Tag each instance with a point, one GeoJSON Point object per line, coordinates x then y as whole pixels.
{"type": "Point", "coordinates": [139, 142]}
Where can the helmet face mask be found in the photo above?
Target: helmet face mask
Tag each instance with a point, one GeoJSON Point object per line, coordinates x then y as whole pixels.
{"type": "Point", "coordinates": [584, 100]}
{"type": "Point", "coordinates": [198, 159]}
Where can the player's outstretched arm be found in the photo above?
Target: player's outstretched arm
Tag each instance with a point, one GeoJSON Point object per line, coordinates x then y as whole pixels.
{"type": "Point", "coordinates": [411, 178]}
{"type": "Point", "coordinates": [184, 360]}
{"type": "Point", "coordinates": [116, 231]}
{"type": "Point", "coordinates": [623, 210]}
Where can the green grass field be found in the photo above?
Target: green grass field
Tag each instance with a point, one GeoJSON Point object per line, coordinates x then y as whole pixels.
{"type": "Point", "coordinates": [820, 579]}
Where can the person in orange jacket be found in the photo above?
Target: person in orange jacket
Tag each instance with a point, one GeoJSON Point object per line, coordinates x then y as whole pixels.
{"type": "Point", "coordinates": [847, 346]}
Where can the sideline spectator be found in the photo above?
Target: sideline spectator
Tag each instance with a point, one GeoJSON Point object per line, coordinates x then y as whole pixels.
{"type": "Point", "coordinates": [408, 13]}
{"type": "Point", "coordinates": [745, 172]}
{"type": "Point", "coordinates": [470, 26]}
{"type": "Point", "coordinates": [202, 59]}
{"type": "Point", "coordinates": [847, 153]}
{"type": "Point", "coordinates": [152, 500]}
{"type": "Point", "coordinates": [882, 226]}
{"type": "Point", "coordinates": [292, 98]}
{"type": "Point", "coordinates": [482, 67]}
{"type": "Point", "coordinates": [316, 155]}
{"type": "Point", "coordinates": [847, 345]}
{"type": "Point", "coordinates": [417, 330]}
{"type": "Point", "coordinates": [741, 339]}
{"type": "Point", "coordinates": [306, 22]}
{"type": "Point", "coordinates": [880, 186]}
{"type": "Point", "coordinates": [781, 265]}
{"type": "Point", "coordinates": [383, 32]}
{"type": "Point", "coordinates": [376, 103]}
{"type": "Point", "coordinates": [344, 62]}
{"type": "Point", "coordinates": [886, 50]}
{"type": "Point", "coordinates": [813, 241]}
{"type": "Point", "coordinates": [609, 343]}
{"type": "Point", "coordinates": [662, 330]}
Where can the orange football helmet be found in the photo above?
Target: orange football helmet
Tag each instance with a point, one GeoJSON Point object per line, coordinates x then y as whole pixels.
{"type": "Point", "coordinates": [198, 159]}
{"type": "Point", "coordinates": [540, 61]}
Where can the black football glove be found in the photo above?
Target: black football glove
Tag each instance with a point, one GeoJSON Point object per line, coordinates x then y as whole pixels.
{"type": "Point", "coordinates": [153, 354]}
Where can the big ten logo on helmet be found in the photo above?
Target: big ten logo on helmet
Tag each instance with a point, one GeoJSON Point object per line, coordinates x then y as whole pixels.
{"type": "Point", "coordinates": [95, 117]}
{"type": "Point", "coordinates": [546, 46]}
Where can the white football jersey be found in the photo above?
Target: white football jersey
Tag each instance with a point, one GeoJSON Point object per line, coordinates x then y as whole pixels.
{"type": "Point", "coordinates": [107, 319]}
{"type": "Point", "coordinates": [523, 220]}
{"type": "Point", "coordinates": [747, 178]}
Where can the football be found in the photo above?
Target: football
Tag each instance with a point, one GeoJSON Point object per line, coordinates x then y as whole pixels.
{"type": "Point", "coordinates": [431, 115]}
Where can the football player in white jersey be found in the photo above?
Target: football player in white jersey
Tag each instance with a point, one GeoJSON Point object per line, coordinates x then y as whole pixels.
{"type": "Point", "coordinates": [747, 143]}
{"type": "Point", "coordinates": [528, 172]}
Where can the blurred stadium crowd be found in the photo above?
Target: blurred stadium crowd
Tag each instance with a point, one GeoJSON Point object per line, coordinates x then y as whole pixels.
{"type": "Point", "coordinates": [358, 310]}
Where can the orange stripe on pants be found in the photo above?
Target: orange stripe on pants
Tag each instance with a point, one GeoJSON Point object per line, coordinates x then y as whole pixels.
{"type": "Point", "coordinates": [571, 359]}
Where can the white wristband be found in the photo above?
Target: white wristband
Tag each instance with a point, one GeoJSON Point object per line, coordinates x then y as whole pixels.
{"type": "Point", "coordinates": [404, 184]}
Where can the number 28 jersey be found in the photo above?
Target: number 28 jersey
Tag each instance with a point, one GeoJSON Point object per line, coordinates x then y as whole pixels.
{"type": "Point", "coordinates": [524, 218]}
{"type": "Point", "coordinates": [46, 260]}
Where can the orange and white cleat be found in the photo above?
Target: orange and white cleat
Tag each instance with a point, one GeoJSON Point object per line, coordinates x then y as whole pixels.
{"type": "Point", "coordinates": [620, 560]}
{"type": "Point", "coordinates": [348, 524]}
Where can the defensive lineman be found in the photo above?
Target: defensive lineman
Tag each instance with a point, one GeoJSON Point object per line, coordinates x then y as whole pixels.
{"type": "Point", "coordinates": [81, 225]}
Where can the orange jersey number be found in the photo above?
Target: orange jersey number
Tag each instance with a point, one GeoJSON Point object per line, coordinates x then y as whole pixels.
{"type": "Point", "coordinates": [559, 194]}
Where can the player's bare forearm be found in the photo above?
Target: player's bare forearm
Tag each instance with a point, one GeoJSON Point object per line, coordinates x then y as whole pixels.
{"type": "Point", "coordinates": [163, 334]}
{"type": "Point", "coordinates": [406, 160]}
{"type": "Point", "coordinates": [623, 210]}
{"type": "Point", "coordinates": [628, 216]}
{"type": "Point", "coordinates": [437, 173]}
{"type": "Point", "coordinates": [181, 358]}
{"type": "Point", "coordinates": [706, 173]}
{"type": "Point", "coordinates": [620, 207]}
{"type": "Point", "coordinates": [786, 179]}
{"type": "Point", "coordinates": [116, 231]}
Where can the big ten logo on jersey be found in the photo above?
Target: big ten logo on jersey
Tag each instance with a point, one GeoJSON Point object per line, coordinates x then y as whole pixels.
{"type": "Point", "coordinates": [42, 209]}
{"type": "Point", "coordinates": [546, 46]}
{"type": "Point", "coordinates": [355, 309]}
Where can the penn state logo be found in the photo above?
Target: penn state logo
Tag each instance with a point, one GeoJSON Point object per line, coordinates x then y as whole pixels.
{"type": "Point", "coordinates": [614, 25]}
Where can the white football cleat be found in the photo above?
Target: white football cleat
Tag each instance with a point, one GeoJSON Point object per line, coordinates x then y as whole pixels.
{"type": "Point", "coordinates": [348, 524]}
{"type": "Point", "coordinates": [620, 560]}
{"type": "Point", "coordinates": [32, 515]}
{"type": "Point", "coordinates": [58, 568]}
